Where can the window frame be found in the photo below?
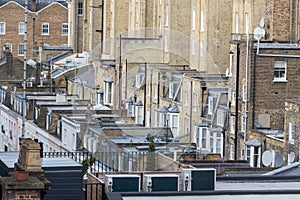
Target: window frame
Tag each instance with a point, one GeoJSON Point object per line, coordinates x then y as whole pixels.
{"type": "Point", "coordinates": [291, 132]}
{"type": "Point", "coordinates": [173, 122]}
{"type": "Point", "coordinates": [10, 46]}
{"type": "Point", "coordinates": [194, 20]}
{"type": "Point", "coordinates": [139, 114]}
{"type": "Point", "coordinates": [279, 69]}
{"type": "Point", "coordinates": [210, 107]}
{"type": "Point", "coordinates": [2, 32]}
{"type": "Point", "coordinates": [44, 28]}
{"type": "Point", "coordinates": [221, 116]}
{"type": "Point", "coordinates": [65, 30]}
{"type": "Point", "coordinates": [22, 28]}
{"type": "Point", "coordinates": [21, 51]}
{"type": "Point", "coordinates": [202, 25]}
{"type": "Point", "coordinates": [108, 93]}
{"type": "Point", "coordinates": [80, 8]}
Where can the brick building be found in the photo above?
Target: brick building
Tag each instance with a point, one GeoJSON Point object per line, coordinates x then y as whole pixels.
{"type": "Point", "coordinates": [40, 27]}
{"type": "Point", "coordinates": [263, 74]}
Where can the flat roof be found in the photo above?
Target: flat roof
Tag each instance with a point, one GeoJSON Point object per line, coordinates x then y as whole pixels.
{"type": "Point", "coordinates": [10, 158]}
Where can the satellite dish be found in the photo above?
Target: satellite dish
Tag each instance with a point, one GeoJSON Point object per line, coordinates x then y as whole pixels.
{"type": "Point", "coordinates": [262, 22]}
{"type": "Point", "coordinates": [278, 160]}
{"type": "Point", "coordinates": [31, 63]}
{"type": "Point", "coordinates": [259, 33]}
{"type": "Point", "coordinates": [291, 157]}
{"type": "Point", "coordinates": [267, 158]}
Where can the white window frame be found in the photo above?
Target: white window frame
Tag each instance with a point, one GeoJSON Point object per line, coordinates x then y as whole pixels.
{"type": "Point", "coordinates": [155, 91]}
{"type": "Point", "coordinates": [244, 123]}
{"type": "Point", "coordinates": [9, 46]}
{"type": "Point", "coordinates": [210, 109]}
{"type": "Point", "coordinates": [108, 93]}
{"type": "Point", "coordinates": [2, 28]}
{"type": "Point", "coordinates": [204, 135]}
{"type": "Point", "coordinates": [173, 123]}
{"type": "Point", "coordinates": [80, 8]}
{"type": "Point", "coordinates": [229, 73]}
{"type": "Point", "coordinates": [231, 152]}
{"type": "Point", "coordinates": [232, 98]}
{"type": "Point", "coordinates": [139, 114]}
{"type": "Point", "coordinates": [64, 28]}
{"type": "Point", "coordinates": [232, 124]}
{"type": "Point", "coordinates": [221, 115]}
{"type": "Point", "coordinates": [21, 49]}
{"type": "Point", "coordinates": [202, 21]}
{"type": "Point", "coordinates": [194, 20]}
{"type": "Point", "coordinates": [201, 48]}
{"type": "Point", "coordinates": [22, 28]}
{"type": "Point", "coordinates": [160, 119]}
{"type": "Point", "coordinates": [167, 15]}
{"type": "Point", "coordinates": [100, 98]}
{"type": "Point", "coordinates": [216, 143]}
{"type": "Point", "coordinates": [45, 28]}
{"type": "Point", "coordinates": [280, 67]}
{"type": "Point", "coordinates": [291, 132]}
{"type": "Point", "coordinates": [195, 102]}
{"type": "Point", "coordinates": [236, 22]}
{"type": "Point", "coordinates": [138, 79]}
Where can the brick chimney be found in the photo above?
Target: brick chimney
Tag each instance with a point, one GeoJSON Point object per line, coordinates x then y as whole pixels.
{"type": "Point", "coordinates": [33, 5]}
{"type": "Point", "coordinates": [28, 180]}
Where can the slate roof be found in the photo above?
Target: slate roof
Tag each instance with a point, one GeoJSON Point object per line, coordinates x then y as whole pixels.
{"type": "Point", "coordinates": [40, 4]}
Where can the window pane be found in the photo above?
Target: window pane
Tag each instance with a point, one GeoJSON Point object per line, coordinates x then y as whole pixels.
{"type": "Point", "coordinates": [21, 49]}
{"type": "Point", "coordinates": [64, 29]}
{"type": "Point", "coordinates": [280, 70]}
{"type": "Point", "coordinates": [21, 28]}
{"type": "Point", "coordinates": [2, 27]}
{"type": "Point", "coordinates": [80, 8]}
{"type": "Point", "coordinates": [45, 28]}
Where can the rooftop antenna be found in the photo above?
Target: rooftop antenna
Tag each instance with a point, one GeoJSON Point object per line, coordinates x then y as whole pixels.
{"type": "Point", "coordinates": [24, 70]}
{"type": "Point", "coordinates": [258, 34]}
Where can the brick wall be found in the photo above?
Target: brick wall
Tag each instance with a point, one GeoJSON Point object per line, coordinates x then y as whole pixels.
{"type": "Point", "coordinates": [269, 96]}
{"type": "Point", "coordinates": [12, 14]}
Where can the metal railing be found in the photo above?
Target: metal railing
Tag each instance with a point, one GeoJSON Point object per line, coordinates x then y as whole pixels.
{"type": "Point", "coordinates": [112, 161]}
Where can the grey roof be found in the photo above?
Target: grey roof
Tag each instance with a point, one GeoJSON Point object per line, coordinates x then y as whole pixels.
{"type": "Point", "coordinates": [100, 91]}
{"type": "Point", "coordinates": [100, 107]}
{"type": "Point", "coordinates": [139, 103]}
{"type": "Point", "coordinates": [289, 170]}
{"type": "Point", "coordinates": [109, 80]}
{"type": "Point", "coordinates": [39, 4]}
{"type": "Point", "coordinates": [255, 143]}
{"type": "Point", "coordinates": [57, 57]}
{"type": "Point", "coordinates": [10, 158]}
{"type": "Point", "coordinates": [173, 109]}
{"type": "Point", "coordinates": [163, 109]}
{"type": "Point", "coordinates": [277, 46]}
{"type": "Point", "coordinates": [87, 78]}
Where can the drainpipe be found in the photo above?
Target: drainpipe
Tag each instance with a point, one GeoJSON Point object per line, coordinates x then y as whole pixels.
{"type": "Point", "coordinates": [191, 112]}
{"type": "Point", "coordinates": [237, 102]}
{"type": "Point", "coordinates": [246, 77]}
{"type": "Point", "coordinates": [145, 96]}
